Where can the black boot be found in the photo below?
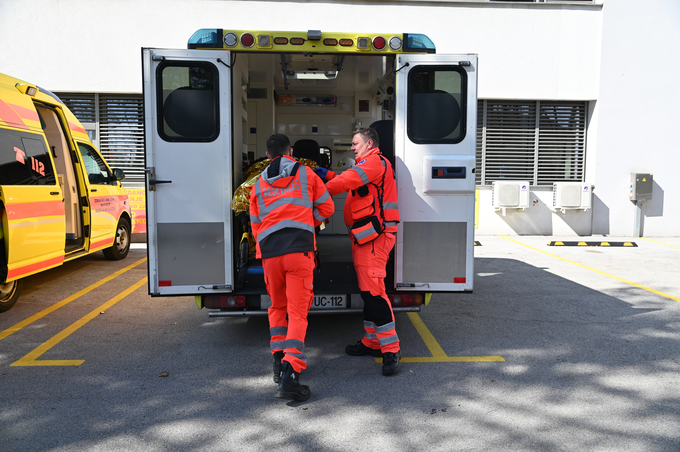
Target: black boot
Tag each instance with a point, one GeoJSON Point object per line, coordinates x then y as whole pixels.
{"type": "Point", "coordinates": [278, 356]}
{"type": "Point", "coordinates": [359, 349]}
{"type": "Point", "coordinates": [290, 387]}
{"type": "Point", "coordinates": [391, 363]}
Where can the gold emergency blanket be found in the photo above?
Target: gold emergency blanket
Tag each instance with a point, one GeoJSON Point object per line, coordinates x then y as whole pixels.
{"type": "Point", "coordinates": [241, 201]}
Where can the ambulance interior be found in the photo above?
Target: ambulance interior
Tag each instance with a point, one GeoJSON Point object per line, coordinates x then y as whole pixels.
{"type": "Point", "coordinates": [317, 100]}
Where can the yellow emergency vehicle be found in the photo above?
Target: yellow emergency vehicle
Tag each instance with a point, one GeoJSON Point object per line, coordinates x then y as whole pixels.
{"type": "Point", "coordinates": [59, 200]}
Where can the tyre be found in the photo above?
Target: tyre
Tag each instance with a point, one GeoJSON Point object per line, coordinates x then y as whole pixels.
{"type": "Point", "coordinates": [121, 244]}
{"type": "Point", "coordinates": [9, 294]}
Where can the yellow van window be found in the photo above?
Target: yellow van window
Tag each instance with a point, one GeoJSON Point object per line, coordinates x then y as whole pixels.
{"type": "Point", "coordinates": [24, 159]}
{"type": "Point", "coordinates": [97, 172]}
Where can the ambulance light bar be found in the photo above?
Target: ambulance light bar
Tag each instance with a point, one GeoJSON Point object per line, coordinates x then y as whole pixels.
{"type": "Point", "coordinates": [312, 41]}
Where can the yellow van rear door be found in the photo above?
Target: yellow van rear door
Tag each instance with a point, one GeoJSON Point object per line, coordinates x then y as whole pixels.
{"type": "Point", "coordinates": [32, 205]}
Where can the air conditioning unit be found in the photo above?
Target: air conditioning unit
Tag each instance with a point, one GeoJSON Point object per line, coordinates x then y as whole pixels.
{"type": "Point", "coordinates": [572, 195]}
{"type": "Point", "coordinates": [510, 195]}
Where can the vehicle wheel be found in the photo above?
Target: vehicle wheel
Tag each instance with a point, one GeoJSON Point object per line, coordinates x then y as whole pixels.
{"type": "Point", "coordinates": [9, 294]}
{"type": "Point", "coordinates": [121, 244]}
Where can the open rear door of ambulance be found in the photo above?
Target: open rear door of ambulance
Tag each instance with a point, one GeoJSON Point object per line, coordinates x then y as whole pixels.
{"type": "Point", "coordinates": [435, 131]}
{"type": "Point", "coordinates": [187, 118]}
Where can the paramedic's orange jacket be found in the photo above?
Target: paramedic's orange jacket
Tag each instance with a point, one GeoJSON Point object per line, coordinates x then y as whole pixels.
{"type": "Point", "coordinates": [368, 171]}
{"type": "Point", "coordinates": [286, 203]}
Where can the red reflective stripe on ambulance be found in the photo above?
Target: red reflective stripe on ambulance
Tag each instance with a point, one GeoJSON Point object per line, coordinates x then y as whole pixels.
{"type": "Point", "coordinates": [10, 117]}
{"type": "Point", "coordinates": [101, 244]}
{"type": "Point", "coordinates": [25, 113]}
{"type": "Point", "coordinates": [76, 128]}
{"type": "Point", "coordinates": [459, 280]}
{"type": "Point", "coordinates": [33, 268]}
{"type": "Point", "coordinates": [34, 209]}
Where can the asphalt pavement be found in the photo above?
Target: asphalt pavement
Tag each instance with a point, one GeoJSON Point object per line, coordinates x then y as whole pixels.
{"type": "Point", "coordinates": [559, 348]}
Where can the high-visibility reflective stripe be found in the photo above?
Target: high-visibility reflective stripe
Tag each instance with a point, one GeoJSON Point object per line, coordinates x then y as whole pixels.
{"type": "Point", "coordinates": [296, 344]}
{"type": "Point", "coordinates": [23, 224]}
{"type": "Point", "coordinates": [300, 356]}
{"type": "Point", "coordinates": [9, 116]}
{"type": "Point", "coordinates": [17, 272]}
{"type": "Point", "coordinates": [284, 224]}
{"type": "Point", "coordinates": [389, 224]}
{"type": "Point", "coordinates": [318, 216]}
{"type": "Point", "coordinates": [385, 328]}
{"type": "Point", "coordinates": [388, 340]}
{"type": "Point", "coordinates": [390, 205]}
{"type": "Point", "coordinates": [371, 336]}
{"type": "Point", "coordinates": [368, 324]}
{"type": "Point", "coordinates": [277, 345]}
{"type": "Point", "coordinates": [76, 128]}
{"type": "Point", "coordinates": [322, 199]}
{"type": "Point", "coordinates": [34, 209]}
{"type": "Point", "coordinates": [278, 331]}
{"type": "Point", "coordinates": [364, 233]}
{"type": "Point", "coordinates": [362, 174]}
{"type": "Point", "coordinates": [254, 219]}
{"type": "Point", "coordinates": [101, 243]}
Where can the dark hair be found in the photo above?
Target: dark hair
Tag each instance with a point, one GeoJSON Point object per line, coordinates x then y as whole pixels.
{"type": "Point", "coordinates": [277, 144]}
{"type": "Point", "coordinates": [368, 134]}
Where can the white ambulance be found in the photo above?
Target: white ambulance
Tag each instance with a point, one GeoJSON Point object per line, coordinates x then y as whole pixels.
{"type": "Point", "coordinates": [209, 110]}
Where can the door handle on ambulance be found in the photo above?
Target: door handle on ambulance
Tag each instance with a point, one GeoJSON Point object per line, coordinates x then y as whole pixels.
{"type": "Point", "coordinates": [153, 182]}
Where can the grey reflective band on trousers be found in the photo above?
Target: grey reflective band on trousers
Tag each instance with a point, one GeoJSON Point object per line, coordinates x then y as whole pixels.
{"type": "Point", "coordinates": [278, 331]}
{"type": "Point", "coordinates": [385, 328]}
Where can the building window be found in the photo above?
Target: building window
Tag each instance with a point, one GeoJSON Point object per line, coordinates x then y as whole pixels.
{"type": "Point", "coordinates": [115, 124]}
{"type": "Point", "coordinates": [539, 141]}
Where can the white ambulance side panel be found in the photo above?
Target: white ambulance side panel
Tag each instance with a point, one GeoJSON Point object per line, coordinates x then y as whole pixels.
{"type": "Point", "coordinates": [435, 135]}
{"type": "Point", "coordinates": [187, 117]}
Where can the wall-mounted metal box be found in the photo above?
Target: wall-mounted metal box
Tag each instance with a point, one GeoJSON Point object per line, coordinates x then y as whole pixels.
{"type": "Point", "coordinates": [641, 185]}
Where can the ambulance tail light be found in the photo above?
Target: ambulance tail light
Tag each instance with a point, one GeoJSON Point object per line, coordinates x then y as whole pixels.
{"type": "Point", "coordinates": [224, 301]}
{"type": "Point", "coordinates": [247, 39]}
{"type": "Point", "coordinates": [206, 38]}
{"type": "Point", "coordinates": [379, 43]}
{"type": "Point", "coordinates": [406, 299]}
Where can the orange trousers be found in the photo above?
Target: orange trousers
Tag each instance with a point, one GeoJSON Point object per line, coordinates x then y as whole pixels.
{"type": "Point", "coordinates": [370, 262]}
{"type": "Point", "coordinates": [289, 280]}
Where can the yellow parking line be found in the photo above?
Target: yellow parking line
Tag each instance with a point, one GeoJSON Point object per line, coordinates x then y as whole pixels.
{"type": "Point", "coordinates": [640, 286]}
{"type": "Point", "coordinates": [656, 241]}
{"type": "Point", "coordinates": [438, 354]}
{"type": "Point", "coordinates": [31, 358]}
{"type": "Point", "coordinates": [65, 301]}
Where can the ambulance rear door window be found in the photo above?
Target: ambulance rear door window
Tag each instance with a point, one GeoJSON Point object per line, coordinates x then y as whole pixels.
{"type": "Point", "coordinates": [436, 104]}
{"type": "Point", "coordinates": [188, 101]}
{"type": "Point", "coordinates": [24, 159]}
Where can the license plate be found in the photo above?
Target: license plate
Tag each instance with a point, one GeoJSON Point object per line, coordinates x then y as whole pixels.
{"type": "Point", "coordinates": [329, 301]}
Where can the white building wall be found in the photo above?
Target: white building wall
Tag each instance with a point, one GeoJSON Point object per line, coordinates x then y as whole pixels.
{"type": "Point", "coordinates": [637, 116]}
{"type": "Point", "coordinates": [606, 54]}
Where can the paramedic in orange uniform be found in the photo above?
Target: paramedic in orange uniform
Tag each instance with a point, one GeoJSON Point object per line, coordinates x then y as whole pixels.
{"type": "Point", "coordinates": [372, 215]}
{"type": "Point", "coordinates": [286, 204]}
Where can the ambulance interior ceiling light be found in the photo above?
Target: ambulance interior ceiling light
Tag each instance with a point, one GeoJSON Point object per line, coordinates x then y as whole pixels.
{"type": "Point", "coordinates": [313, 75]}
